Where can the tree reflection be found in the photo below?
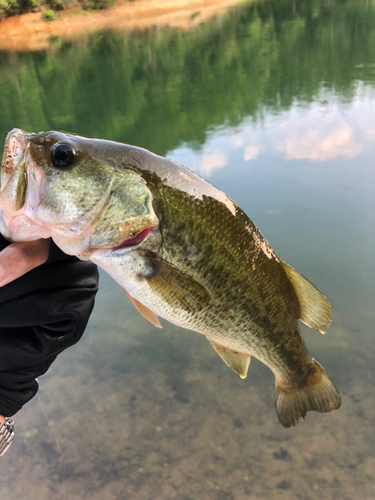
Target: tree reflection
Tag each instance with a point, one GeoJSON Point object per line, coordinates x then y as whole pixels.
{"type": "Point", "coordinates": [160, 88]}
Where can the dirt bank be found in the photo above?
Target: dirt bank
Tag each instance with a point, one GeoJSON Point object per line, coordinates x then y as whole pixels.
{"type": "Point", "coordinates": [31, 32]}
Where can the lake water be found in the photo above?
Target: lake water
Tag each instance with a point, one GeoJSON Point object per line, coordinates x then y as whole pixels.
{"type": "Point", "coordinates": [274, 103]}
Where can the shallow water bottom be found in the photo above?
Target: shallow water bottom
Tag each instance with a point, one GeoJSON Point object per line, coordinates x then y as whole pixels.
{"type": "Point", "coordinates": [137, 413]}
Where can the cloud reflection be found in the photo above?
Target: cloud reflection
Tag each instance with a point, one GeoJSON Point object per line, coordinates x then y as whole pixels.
{"type": "Point", "coordinates": [251, 152]}
{"type": "Point", "coordinates": [214, 161]}
{"type": "Point", "coordinates": [317, 138]}
{"type": "Point", "coordinates": [316, 133]}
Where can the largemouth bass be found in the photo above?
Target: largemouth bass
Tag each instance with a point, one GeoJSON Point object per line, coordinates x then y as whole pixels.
{"type": "Point", "coordinates": [180, 248]}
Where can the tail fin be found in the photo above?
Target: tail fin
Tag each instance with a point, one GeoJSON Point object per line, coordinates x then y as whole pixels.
{"type": "Point", "coordinates": [317, 393]}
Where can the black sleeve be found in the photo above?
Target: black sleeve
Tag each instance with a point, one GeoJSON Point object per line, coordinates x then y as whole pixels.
{"type": "Point", "coordinates": [41, 314]}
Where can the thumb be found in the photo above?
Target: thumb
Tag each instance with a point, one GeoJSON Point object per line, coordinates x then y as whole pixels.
{"type": "Point", "coordinates": [19, 258]}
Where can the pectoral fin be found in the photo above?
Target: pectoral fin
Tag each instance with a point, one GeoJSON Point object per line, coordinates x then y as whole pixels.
{"type": "Point", "coordinates": [176, 288]}
{"type": "Point", "coordinates": [315, 308]}
{"type": "Point", "coordinates": [238, 361]}
{"type": "Point", "coordinates": [145, 311]}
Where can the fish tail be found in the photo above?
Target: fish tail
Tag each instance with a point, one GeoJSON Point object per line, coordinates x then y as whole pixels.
{"type": "Point", "coordinates": [294, 400]}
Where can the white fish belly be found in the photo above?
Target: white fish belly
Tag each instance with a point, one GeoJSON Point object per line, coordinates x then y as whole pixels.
{"type": "Point", "coordinates": [129, 270]}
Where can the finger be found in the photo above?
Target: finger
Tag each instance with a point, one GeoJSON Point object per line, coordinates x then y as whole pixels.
{"type": "Point", "coordinates": [19, 258]}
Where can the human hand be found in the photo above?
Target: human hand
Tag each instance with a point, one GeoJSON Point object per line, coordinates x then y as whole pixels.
{"type": "Point", "coordinates": [41, 314]}
{"type": "Point", "coordinates": [19, 258]}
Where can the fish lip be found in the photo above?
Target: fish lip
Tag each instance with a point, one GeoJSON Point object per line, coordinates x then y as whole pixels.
{"type": "Point", "coordinates": [18, 223]}
{"type": "Point", "coordinates": [14, 148]}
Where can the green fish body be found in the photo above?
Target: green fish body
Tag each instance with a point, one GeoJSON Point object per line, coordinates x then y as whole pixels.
{"type": "Point", "coordinates": [180, 248]}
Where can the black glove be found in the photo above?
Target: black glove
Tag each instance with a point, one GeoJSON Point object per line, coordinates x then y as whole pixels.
{"type": "Point", "coordinates": [41, 314]}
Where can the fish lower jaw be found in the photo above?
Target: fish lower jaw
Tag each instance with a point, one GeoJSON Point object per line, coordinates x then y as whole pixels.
{"type": "Point", "coordinates": [22, 228]}
{"type": "Point", "coordinates": [77, 239]}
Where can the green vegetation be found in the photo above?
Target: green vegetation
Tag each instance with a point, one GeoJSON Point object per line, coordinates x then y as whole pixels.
{"type": "Point", "coordinates": [12, 7]}
{"type": "Point", "coordinates": [49, 15]}
{"type": "Point", "coordinates": [160, 88]}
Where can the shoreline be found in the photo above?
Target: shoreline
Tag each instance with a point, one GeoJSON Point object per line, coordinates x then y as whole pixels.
{"type": "Point", "coordinates": [30, 32]}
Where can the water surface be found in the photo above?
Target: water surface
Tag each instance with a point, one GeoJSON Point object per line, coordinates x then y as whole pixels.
{"type": "Point", "coordinates": [274, 104]}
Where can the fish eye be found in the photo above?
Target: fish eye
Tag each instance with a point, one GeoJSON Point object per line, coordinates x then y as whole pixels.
{"type": "Point", "coordinates": [62, 155]}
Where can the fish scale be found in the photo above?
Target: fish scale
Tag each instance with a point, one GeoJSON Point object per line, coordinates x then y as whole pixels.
{"type": "Point", "coordinates": [223, 271]}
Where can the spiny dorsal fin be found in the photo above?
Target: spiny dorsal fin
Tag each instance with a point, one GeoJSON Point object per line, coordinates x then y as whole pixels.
{"type": "Point", "coordinates": [145, 311]}
{"type": "Point", "coordinates": [238, 361]}
{"type": "Point", "coordinates": [176, 288]}
{"type": "Point", "coordinates": [315, 308]}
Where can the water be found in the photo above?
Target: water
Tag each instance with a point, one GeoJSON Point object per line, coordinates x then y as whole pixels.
{"type": "Point", "coordinates": [272, 102]}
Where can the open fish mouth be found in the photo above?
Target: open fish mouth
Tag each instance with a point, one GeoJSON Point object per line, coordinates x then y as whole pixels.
{"type": "Point", "coordinates": [14, 149]}
{"type": "Point", "coordinates": [20, 190]}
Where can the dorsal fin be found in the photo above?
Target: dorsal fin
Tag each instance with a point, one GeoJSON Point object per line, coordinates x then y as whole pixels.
{"type": "Point", "coordinates": [315, 308]}
{"type": "Point", "coordinates": [237, 361]}
{"type": "Point", "coordinates": [145, 311]}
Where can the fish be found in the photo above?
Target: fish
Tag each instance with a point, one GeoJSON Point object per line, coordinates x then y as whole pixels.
{"type": "Point", "coordinates": [181, 249]}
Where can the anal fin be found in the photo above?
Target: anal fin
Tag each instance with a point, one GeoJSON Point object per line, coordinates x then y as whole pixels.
{"type": "Point", "coordinates": [145, 311]}
{"type": "Point", "coordinates": [237, 361]}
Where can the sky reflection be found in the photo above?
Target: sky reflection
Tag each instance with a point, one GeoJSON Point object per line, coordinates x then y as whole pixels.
{"type": "Point", "coordinates": [323, 130]}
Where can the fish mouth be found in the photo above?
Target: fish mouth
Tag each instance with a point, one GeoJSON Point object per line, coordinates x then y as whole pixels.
{"type": "Point", "coordinates": [14, 149]}
{"type": "Point", "coordinates": [20, 192]}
